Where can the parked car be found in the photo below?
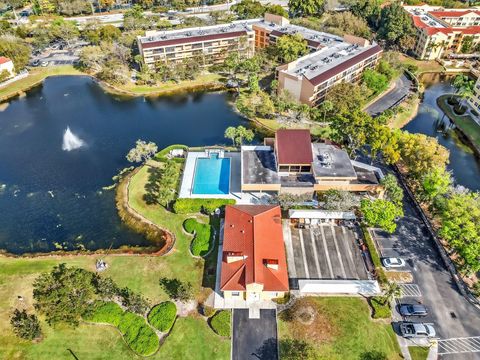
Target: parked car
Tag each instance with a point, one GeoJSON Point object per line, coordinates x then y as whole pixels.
{"type": "Point", "coordinates": [412, 310]}
{"type": "Point", "coordinates": [417, 330]}
{"type": "Point", "coordinates": [35, 62]}
{"type": "Point", "coordinates": [44, 63]}
{"type": "Point", "coordinates": [393, 262]}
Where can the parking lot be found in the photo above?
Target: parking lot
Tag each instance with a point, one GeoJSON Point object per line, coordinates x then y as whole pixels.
{"type": "Point", "coordinates": [324, 252]}
{"type": "Point", "coordinates": [254, 338]}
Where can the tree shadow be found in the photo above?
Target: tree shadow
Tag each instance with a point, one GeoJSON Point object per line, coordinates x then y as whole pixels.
{"type": "Point", "coordinates": [152, 186]}
{"type": "Point", "coordinates": [268, 350]}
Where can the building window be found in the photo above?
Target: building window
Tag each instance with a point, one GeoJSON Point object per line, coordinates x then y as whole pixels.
{"type": "Point", "coordinates": [284, 168]}
{"type": "Point", "coordinates": [305, 169]}
{"type": "Point", "coordinates": [236, 293]}
{"type": "Point", "coordinates": [294, 168]}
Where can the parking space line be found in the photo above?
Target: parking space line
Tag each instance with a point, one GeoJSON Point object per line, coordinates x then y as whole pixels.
{"type": "Point", "coordinates": [346, 238]}
{"type": "Point", "coordinates": [338, 252]}
{"type": "Point", "coordinates": [459, 345]}
{"type": "Point", "coordinates": [326, 252]}
{"type": "Point", "coordinates": [410, 290]}
{"type": "Point", "coordinates": [302, 245]}
{"type": "Point", "coordinates": [315, 255]}
{"type": "Point", "coordinates": [292, 270]}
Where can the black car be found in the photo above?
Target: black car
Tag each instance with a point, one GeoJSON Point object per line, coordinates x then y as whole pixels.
{"type": "Point", "coordinates": [413, 310]}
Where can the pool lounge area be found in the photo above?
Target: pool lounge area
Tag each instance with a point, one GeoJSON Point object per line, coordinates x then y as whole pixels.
{"type": "Point", "coordinates": [216, 174]}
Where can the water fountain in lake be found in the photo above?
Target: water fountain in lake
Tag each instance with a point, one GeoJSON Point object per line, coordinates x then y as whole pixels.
{"type": "Point", "coordinates": [71, 141]}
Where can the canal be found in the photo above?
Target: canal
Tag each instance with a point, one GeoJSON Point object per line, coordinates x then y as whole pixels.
{"type": "Point", "coordinates": [465, 166]}
{"type": "Point", "coordinates": [51, 194]}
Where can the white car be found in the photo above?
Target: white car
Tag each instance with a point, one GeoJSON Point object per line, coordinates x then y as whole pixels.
{"type": "Point", "coordinates": [393, 262]}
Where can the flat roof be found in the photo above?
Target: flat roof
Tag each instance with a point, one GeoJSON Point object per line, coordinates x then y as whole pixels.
{"type": "Point", "coordinates": [195, 34]}
{"type": "Point", "coordinates": [331, 161]}
{"type": "Point", "coordinates": [327, 62]}
{"type": "Point", "coordinates": [293, 146]}
{"type": "Point", "coordinates": [314, 38]}
{"type": "Point", "coordinates": [259, 167]}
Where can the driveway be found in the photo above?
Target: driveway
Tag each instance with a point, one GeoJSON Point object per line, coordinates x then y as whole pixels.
{"type": "Point", "coordinates": [254, 338]}
{"type": "Point", "coordinates": [391, 98]}
{"type": "Point", "coordinates": [452, 315]}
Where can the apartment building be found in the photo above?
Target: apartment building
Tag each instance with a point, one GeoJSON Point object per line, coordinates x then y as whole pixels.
{"type": "Point", "coordinates": [332, 59]}
{"type": "Point", "coordinates": [209, 45]}
{"type": "Point", "coordinates": [310, 77]}
{"type": "Point", "coordinates": [7, 65]}
{"type": "Point", "coordinates": [474, 101]}
{"type": "Point", "coordinates": [441, 32]}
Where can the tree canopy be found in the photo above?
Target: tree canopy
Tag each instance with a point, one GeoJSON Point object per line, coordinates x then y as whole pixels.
{"type": "Point", "coordinates": [248, 9]}
{"type": "Point", "coordinates": [306, 7]}
{"type": "Point", "coordinates": [291, 47]}
{"type": "Point", "coordinates": [16, 49]}
{"type": "Point", "coordinates": [381, 213]}
{"type": "Point", "coordinates": [396, 27]}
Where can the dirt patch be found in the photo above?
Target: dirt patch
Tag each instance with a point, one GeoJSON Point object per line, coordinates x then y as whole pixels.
{"type": "Point", "coordinates": [307, 321]}
{"type": "Point", "coordinates": [401, 277]}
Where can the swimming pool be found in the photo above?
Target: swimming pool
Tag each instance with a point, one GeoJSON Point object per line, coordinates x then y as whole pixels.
{"type": "Point", "coordinates": [212, 176]}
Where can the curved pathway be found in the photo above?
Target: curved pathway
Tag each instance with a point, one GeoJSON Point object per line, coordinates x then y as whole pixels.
{"type": "Point", "coordinates": [391, 98]}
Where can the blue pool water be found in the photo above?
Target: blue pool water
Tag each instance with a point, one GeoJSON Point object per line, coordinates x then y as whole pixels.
{"type": "Point", "coordinates": [212, 176]}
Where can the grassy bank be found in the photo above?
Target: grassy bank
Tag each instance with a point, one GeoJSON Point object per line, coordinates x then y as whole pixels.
{"type": "Point", "coordinates": [202, 81]}
{"type": "Point", "coordinates": [341, 328]}
{"type": "Point", "coordinates": [35, 77]}
{"type": "Point", "coordinates": [465, 123]}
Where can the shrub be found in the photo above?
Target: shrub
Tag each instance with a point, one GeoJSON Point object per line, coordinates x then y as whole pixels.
{"type": "Point", "coordinates": [176, 289]}
{"type": "Point", "coordinates": [381, 309]}
{"type": "Point", "coordinates": [381, 277]}
{"type": "Point", "coordinates": [106, 312]}
{"type": "Point", "coordinates": [203, 232]}
{"type": "Point", "coordinates": [189, 206]}
{"type": "Point", "coordinates": [452, 100]}
{"type": "Point", "coordinates": [25, 326]}
{"type": "Point", "coordinates": [137, 334]}
{"type": "Point", "coordinates": [459, 110]}
{"type": "Point", "coordinates": [162, 316]}
{"type": "Point", "coordinates": [220, 323]}
{"type": "Point", "coordinates": [207, 310]}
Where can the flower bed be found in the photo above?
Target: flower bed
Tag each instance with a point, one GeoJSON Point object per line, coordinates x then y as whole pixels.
{"type": "Point", "coordinates": [162, 316]}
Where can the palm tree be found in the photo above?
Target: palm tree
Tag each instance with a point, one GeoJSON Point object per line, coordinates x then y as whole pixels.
{"type": "Point", "coordinates": [466, 92]}
{"type": "Point", "coordinates": [392, 290]}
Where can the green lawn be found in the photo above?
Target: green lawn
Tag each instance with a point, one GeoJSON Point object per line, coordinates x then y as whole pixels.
{"type": "Point", "coordinates": [341, 329]}
{"type": "Point", "coordinates": [190, 338]}
{"type": "Point", "coordinates": [36, 76]}
{"type": "Point", "coordinates": [207, 79]}
{"type": "Point", "coordinates": [464, 123]}
{"type": "Point", "coordinates": [418, 352]}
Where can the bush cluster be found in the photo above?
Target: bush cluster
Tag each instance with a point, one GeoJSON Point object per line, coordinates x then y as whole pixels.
{"type": "Point", "coordinates": [162, 316]}
{"type": "Point", "coordinates": [381, 310]}
{"type": "Point", "coordinates": [137, 334]}
{"type": "Point", "coordinates": [220, 323]}
{"type": "Point", "coordinates": [381, 277]}
{"type": "Point", "coordinates": [189, 206]}
{"type": "Point", "coordinates": [203, 232]}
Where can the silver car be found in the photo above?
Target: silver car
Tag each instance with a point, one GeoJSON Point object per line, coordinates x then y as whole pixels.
{"type": "Point", "coordinates": [417, 330]}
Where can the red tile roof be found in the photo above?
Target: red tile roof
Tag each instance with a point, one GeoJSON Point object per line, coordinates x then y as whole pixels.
{"type": "Point", "coordinates": [293, 146]}
{"type": "Point", "coordinates": [256, 232]}
{"type": "Point", "coordinates": [4, 60]}
{"type": "Point", "coordinates": [192, 39]}
{"type": "Point", "coordinates": [317, 80]}
{"type": "Point", "coordinates": [441, 14]}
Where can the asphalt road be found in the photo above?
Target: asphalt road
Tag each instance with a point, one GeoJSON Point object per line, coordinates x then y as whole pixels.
{"type": "Point", "coordinates": [254, 338]}
{"type": "Point", "coordinates": [453, 316]}
{"type": "Point", "coordinates": [390, 99]}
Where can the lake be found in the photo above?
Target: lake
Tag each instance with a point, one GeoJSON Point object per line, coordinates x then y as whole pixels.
{"type": "Point", "coordinates": [51, 193]}
{"type": "Point", "coordinates": [464, 165]}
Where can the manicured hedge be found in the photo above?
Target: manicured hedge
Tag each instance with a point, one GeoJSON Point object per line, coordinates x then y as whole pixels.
{"type": "Point", "coordinates": [380, 310]}
{"type": "Point", "coordinates": [162, 154]}
{"type": "Point", "coordinates": [381, 277]}
{"type": "Point", "coordinates": [137, 334]}
{"type": "Point", "coordinates": [162, 316]}
{"type": "Point", "coordinates": [220, 323]}
{"type": "Point", "coordinates": [190, 206]}
{"type": "Point", "coordinates": [203, 232]}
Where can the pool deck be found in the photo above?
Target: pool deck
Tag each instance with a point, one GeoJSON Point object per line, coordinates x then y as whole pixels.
{"type": "Point", "coordinates": [235, 181]}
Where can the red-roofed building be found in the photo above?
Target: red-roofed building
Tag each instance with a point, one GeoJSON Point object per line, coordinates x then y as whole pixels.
{"type": "Point", "coordinates": [441, 32]}
{"type": "Point", "coordinates": [7, 65]}
{"type": "Point", "coordinates": [254, 265]}
{"type": "Point", "coordinates": [293, 148]}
